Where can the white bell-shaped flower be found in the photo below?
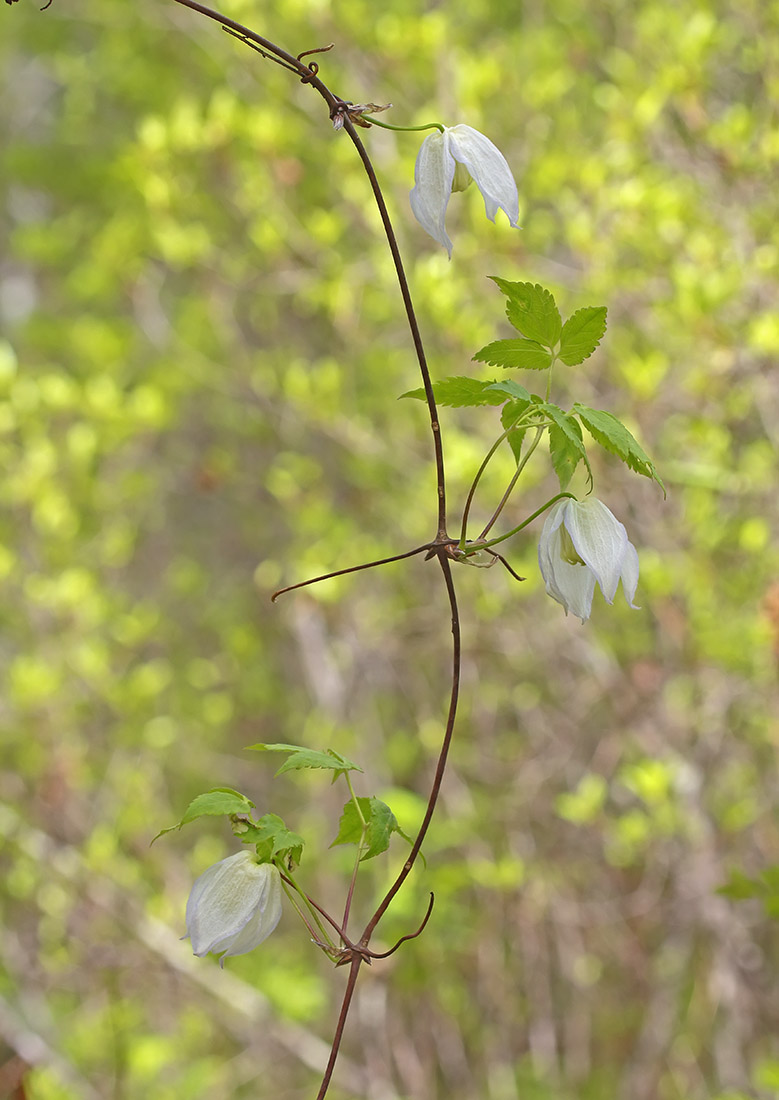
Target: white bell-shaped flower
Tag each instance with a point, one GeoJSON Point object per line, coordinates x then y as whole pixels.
{"type": "Point", "coordinates": [234, 906]}
{"type": "Point", "coordinates": [582, 543]}
{"type": "Point", "coordinates": [448, 162]}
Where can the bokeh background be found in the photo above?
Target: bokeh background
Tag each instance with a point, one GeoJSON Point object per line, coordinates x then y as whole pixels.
{"type": "Point", "coordinates": [201, 352]}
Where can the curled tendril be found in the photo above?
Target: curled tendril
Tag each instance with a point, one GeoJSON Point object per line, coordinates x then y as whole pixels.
{"type": "Point", "coordinates": [313, 66]}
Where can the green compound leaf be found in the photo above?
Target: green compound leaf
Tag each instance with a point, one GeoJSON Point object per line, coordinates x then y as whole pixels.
{"type": "Point", "coordinates": [532, 311]}
{"type": "Point", "coordinates": [214, 803]}
{"type": "Point", "coordinates": [613, 436]}
{"type": "Point", "coordinates": [272, 838]}
{"type": "Point", "coordinates": [525, 354]}
{"type": "Point", "coordinates": [458, 392]}
{"type": "Point", "coordinates": [381, 823]}
{"type": "Point", "coordinates": [581, 334]}
{"type": "Point", "coordinates": [566, 445]}
{"type": "Point", "coordinates": [300, 757]}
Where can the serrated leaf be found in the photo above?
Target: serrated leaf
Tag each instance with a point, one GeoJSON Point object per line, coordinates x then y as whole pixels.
{"type": "Point", "coordinates": [566, 445]}
{"type": "Point", "coordinates": [301, 757]}
{"type": "Point", "coordinates": [213, 803]}
{"type": "Point", "coordinates": [524, 354]}
{"type": "Point", "coordinates": [613, 436]}
{"type": "Point", "coordinates": [458, 393]}
{"type": "Point", "coordinates": [273, 838]}
{"type": "Point", "coordinates": [581, 334]}
{"type": "Point", "coordinates": [381, 824]}
{"type": "Point", "coordinates": [512, 389]}
{"type": "Point", "coordinates": [532, 311]}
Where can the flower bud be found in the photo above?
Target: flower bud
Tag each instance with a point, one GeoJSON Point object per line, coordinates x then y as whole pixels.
{"type": "Point", "coordinates": [234, 906]}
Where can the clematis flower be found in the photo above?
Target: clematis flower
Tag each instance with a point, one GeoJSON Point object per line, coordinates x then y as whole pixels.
{"type": "Point", "coordinates": [448, 162]}
{"type": "Point", "coordinates": [582, 543]}
{"type": "Point", "coordinates": [234, 906]}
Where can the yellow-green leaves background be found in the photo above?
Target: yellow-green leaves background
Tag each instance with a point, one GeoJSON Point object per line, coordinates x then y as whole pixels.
{"type": "Point", "coordinates": [201, 347]}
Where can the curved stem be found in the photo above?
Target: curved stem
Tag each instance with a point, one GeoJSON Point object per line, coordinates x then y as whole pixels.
{"type": "Point", "coordinates": [312, 931]}
{"type": "Point", "coordinates": [411, 129]}
{"type": "Point", "coordinates": [512, 483]}
{"type": "Point", "coordinates": [446, 569]}
{"type": "Point", "coordinates": [290, 62]}
{"type": "Point", "coordinates": [474, 484]}
{"type": "Point", "coordinates": [353, 882]}
{"type": "Point", "coordinates": [349, 569]}
{"type": "Point", "coordinates": [520, 526]}
{"type": "Point", "coordinates": [412, 324]}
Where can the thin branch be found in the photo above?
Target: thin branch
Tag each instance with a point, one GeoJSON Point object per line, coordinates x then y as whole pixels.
{"type": "Point", "coordinates": [350, 569]}
{"type": "Point", "coordinates": [412, 323]}
{"type": "Point", "coordinates": [512, 483]}
{"type": "Point", "coordinates": [506, 565]}
{"type": "Point", "coordinates": [405, 870]}
{"type": "Point", "coordinates": [354, 970]}
{"type": "Point", "coordinates": [410, 936]}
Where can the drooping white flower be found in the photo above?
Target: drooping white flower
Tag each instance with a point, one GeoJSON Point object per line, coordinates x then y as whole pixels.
{"type": "Point", "coordinates": [448, 162]}
{"type": "Point", "coordinates": [234, 906]}
{"type": "Point", "coordinates": [582, 543]}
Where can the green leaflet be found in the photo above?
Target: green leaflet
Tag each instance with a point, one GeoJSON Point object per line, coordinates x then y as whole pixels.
{"type": "Point", "coordinates": [613, 436]}
{"type": "Point", "coordinates": [459, 392]}
{"type": "Point", "coordinates": [300, 757]}
{"type": "Point", "coordinates": [513, 389]}
{"type": "Point", "coordinates": [213, 803]}
{"type": "Point", "coordinates": [566, 445]}
{"type": "Point", "coordinates": [532, 311]}
{"type": "Point", "coordinates": [581, 334]}
{"type": "Point", "coordinates": [524, 354]}
{"type": "Point", "coordinates": [381, 823]}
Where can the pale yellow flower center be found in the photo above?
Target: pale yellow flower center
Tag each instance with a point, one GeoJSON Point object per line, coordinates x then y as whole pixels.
{"type": "Point", "coordinates": [462, 177]}
{"type": "Point", "coordinates": [568, 550]}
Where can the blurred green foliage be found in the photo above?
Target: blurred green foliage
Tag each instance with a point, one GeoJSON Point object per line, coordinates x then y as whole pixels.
{"type": "Point", "coordinates": [201, 348]}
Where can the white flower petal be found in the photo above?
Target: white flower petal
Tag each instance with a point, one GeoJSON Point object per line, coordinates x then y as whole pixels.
{"type": "Point", "coordinates": [600, 540]}
{"type": "Point", "coordinates": [630, 574]}
{"type": "Point", "coordinates": [223, 901]}
{"type": "Point", "coordinates": [433, 175]}
{"type": "Point", "coordinates": [578, 585]}
{"type": "Point", "coordinates": [489, 169]}
{"type": "Point", "coordinates": [264, 919]}
{"type": "Point", "coordinates": [589, 531]}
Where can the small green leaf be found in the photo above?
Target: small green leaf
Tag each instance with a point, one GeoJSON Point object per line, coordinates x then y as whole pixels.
{"type": "Point", "coordinates": [527, 354]}
{"type": "Point", "coordinates": [381, 824]}
{"type": "Point", "coordinates": [613, 436]}
{"type": "Point", "coordinates": [219, 800]}
{"type": "Point", "coordinates": [214, 803]}
{"type": "Point", "coordinates": [300, 757]}
{"type": "Point", "coordinates": [511, 411]}
{"type": "Point", "coordinates": [566, 445]}
{"type": "Point", "coordinates": [458, 392]}
{"type": "Point", "coordinates": [512, 389]}
{"type": "Point", "coordinates": [273, 839]}
{"type": "Point", "coordinates": [581, 334]}
{"type": "Point", "coordinates": [532, 311]}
